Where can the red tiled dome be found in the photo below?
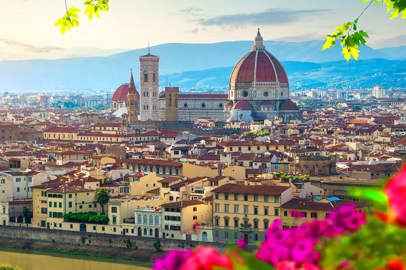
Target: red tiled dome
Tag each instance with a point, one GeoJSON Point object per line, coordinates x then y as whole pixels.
{"type": "Point", "coordinates": [242, 105]}
{"type": "Point", "coordinates": [121, 93]}
{"type": "Point", "coordinates": [268, 69]}
{"type": "Point", "coordinates": [259, 65]}
{"type": "Point", "coordinates": [288, 105]}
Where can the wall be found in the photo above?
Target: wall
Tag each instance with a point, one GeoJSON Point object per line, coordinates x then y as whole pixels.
{"type": "Point", "coordinates": [59, 238]}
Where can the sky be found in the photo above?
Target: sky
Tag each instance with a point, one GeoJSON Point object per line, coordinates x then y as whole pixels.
{"type": "Point", "coordinates": [27, 28]}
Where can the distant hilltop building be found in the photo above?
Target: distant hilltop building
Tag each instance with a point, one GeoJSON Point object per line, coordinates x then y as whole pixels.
{"type": "Point", "coordinates": [258, 90]}
{"type": "Point", "coordinates": [378, 92]}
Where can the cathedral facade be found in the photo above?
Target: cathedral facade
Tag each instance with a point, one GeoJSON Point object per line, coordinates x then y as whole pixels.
{"type": "Point", "coordinates": [258, 90]}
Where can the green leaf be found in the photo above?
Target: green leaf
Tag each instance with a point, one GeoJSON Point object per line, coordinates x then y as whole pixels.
{"type": "Point", "coordinates": [371, 195]}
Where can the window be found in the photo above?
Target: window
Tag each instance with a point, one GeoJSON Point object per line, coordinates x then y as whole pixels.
{"type": "Point", "coordinates": [266, 198]}
{"type": "Point", "coordinates": [246, 198]}
{"type": "Point", "coordinates": [266, 210]}
{"type": "Point", "coordinates": [226, 221]}
{"type": "Point", "coordinates": [236, 223]}
{"type": "Point", "coordinates": [114, 209]}
{"type": "Point", "coordinates": [217, 221]}
{"type": "Point", "coordinates": [276, 212]}
{"type": "Point", "coordinates": [245, 93]}
{"type": "Point", "coordinates": [266, 224]}
{"type": "Point", "coordinates": [194, 209]}
{"type": "Point", "coordinates": [255, 223]}
{"type": "Point", "coordinates": [156, 220]}
{"type": "Point", "coordinates": [185, 105]}
{"type": "Point", "coordinates": [139, 219]}
{"type": "Point", "coordinates": [245, 209]}
{"type": "Point", "coordinates": [276, 199]}
{"type": "Point", "coordinates": [18, 180]}
{"type": "Point", "coordinates": [221, 105]}
{"type": "Point", "coordinates": [18, 189]}
{"type": "Point", "coordinates": [255, 198]}
{"type": "Point", "coordinates": [151, 220]}
{"type": "Point", "coordinates": [60, 205]}
{"type": "Point", "coordinates": [235, 197]}
{"type": "Point", "coordinates": [144, 219]}
{"type": "Point", "coordinates": [114, 219]}
{"type": "Point", "coordinates": [225, 196]}
{"type": "Point", "coordinates": [266, 94]}
{"type": "Point", "coordinates": [203, 105]}
{"type": "Point", "coordinates": [313, 214]}
{"type": "Point", "coordinates": [194, 217]}
{"type": "Point", "coordinates": [145, 77]}
{"type": "Point", "coordinates": [236, 208]}
{"type": "Point", "coordinates": [255, 210]}
{"type": "Point", "coordinates": [217, 208]}
{"type": "Point", "coordinates": [153, 77]}
{"type": "Point", "coordinates": [217, 196]}
{"type": "Point", "coordinates": [226, 208]}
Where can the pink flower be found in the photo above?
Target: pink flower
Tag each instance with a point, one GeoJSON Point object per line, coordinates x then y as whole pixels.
{"type": "Point", "coordinates": [172, 260]}
{"type": "Point", "coordinates": [206, 258]}
{"type": "Point", "coordinates": [396, 191]}
{"type": "Point", "coordinates": [291, 265]}
{"type": "Point", "coordinates": [242, 244]}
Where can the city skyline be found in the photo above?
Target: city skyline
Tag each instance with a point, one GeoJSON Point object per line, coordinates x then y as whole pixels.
{"type": "Point", "coordinates": [191, 22]}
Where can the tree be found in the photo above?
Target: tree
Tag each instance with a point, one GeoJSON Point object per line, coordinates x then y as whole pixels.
{"type": "Point", "coordinates": [350, 37]}
{"type": "Point", "coordinates": [102, 197]}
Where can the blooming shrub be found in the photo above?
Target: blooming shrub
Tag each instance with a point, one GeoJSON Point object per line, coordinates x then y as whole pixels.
{"type": "Point", "coordinates": [346, 239]}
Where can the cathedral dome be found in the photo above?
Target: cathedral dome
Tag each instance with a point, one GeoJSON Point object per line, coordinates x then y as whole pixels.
{"type": "Point", "coordinates": [121, 93]}
{"type": "Point", "coordinates": [242, 105]}
{"type": "Point", "coordinates": [288, 105]}
{"type": "Point", "coordinates": [258, 66]}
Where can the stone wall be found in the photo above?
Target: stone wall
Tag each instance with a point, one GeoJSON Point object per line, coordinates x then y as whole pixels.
{"type": "Point", "coordinates": [91, 240]}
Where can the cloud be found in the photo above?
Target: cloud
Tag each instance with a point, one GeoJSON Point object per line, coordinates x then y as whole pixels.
{"type": "Point", "coordinates": [191, 11]}
{"type": "Point", "coordinates": [273, 16]}
{"type": "Point", "coordinates": [28, 47]}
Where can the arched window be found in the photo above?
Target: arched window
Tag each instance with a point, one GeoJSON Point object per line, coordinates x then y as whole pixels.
{"type": "Point", "coordinates": [203, 105]}
{"type": "Point", "coordinates": [151, 220]}
{"type": "Point", "coordinates": [245, 93]}
{"type": "Point", "coordinates": [266, 224]}
{"type": "Point", "coordinates": [194, 217]}
{"type": "Point", "coordinates": [185, 105]}
{"type": "Point", "coordinates": [266, 94]}
{"type": "Point", "coordinates": [145, 231]}
{"type": "Point", "coordinates": [204, 236]}
{"type": "Point", "coordinates": [221, 105]}
{"type": "Point", "coordinates": [144, 219]}
{"type": "Point", "coordinates": [156, 220]}
{"type": "Point", "coordinates": [139, 219]}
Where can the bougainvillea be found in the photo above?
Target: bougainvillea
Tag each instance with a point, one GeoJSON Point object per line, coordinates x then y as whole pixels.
{"type": "Point", "coordinates": [346, 239]}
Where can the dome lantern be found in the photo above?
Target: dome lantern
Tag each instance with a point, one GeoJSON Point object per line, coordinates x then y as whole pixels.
{"type": "Point", "coordinates": [258, 42]}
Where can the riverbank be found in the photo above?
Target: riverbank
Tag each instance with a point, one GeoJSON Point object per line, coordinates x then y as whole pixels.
{"type": "Point", "coordinates": [142, 259]}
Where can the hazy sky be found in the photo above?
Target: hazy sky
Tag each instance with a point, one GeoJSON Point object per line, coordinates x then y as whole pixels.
{"type": "Point", "coordinates": [27, 26]}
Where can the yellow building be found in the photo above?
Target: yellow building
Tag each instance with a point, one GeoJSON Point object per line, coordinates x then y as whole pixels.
{"type": "Point", "coordinates": [245, 211]}
{"type": "Point", "coordinates": [297, 210]}
{"type": "Point", "coordinates": [53, 199]}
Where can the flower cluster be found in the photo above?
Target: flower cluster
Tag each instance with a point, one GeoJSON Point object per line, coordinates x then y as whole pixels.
{"type": "Point", "coordinates": [202, 258]}
{"type": "Point", "coordinates": [396, 192]}
{"type": "Point", "coordinates": [285, 248]}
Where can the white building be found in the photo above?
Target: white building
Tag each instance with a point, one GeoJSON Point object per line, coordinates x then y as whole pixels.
{"type": "Point", "coordinates": [148, 222]}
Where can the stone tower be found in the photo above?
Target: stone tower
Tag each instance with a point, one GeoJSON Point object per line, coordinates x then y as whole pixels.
{"type": "Point", "coordinates": [131, 102]}
{"type": "Point", "coordinates": [171, 103]}
{"type": "Point", "coordinates": [149, 83]}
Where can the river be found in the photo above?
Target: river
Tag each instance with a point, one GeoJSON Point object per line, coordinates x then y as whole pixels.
{"type": "Point", "coordinates": [26, 261]}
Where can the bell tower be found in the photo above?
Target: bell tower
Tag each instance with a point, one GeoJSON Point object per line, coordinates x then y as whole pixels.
{"type": "Point", "coordinates": [149, 83]}
{"type": "Point", "coordinates": [131, 102]}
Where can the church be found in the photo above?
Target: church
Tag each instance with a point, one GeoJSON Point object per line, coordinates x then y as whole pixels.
{"type": "Point", "coordinates": [258, 90]}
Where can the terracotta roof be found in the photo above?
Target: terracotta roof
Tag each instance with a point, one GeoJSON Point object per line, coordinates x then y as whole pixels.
{"type": "Point", "coordinates": [242, 105]}
{"type": "Point", "coordinates": [259, 66]}
{"type": "Point", "coordinates": [181, 204]}
{"type": "Point", "coordinates": [251, 189]}
{"type": "Point", "coordinates": [203, 96]}
{"type": "Point", "coordinates": [288, 105]}
{"type": "Point", "coordinates": [162, 162]}
{"type": "Point", "coordinates": [305, 204]}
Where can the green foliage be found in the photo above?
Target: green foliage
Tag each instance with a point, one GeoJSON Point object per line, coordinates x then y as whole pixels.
{"type": "Point", "coordinates": [350, 39]}
{"type": "Point", "coordinates": [102, 196]}
{"type": "Point", "coordinates": [71, 17]}
{"type": "Point", "coordinates": [69, 20]}
{"type": "Point", "coordinates": [259, 133]}
{"type": "Point", "coordinates": [157, 246]}
{"type": "Point", "coordinates": [244, 260]}
{"type": "Point", "coordinates": [7, 267]}
{"type": "Point", "coordinates": [370, 247]}
{"type": "Point", "coordinates": [93, 8]}
{"type": "Point", "coordinates": [89, 217]}
{"type": "Point", "coordinates": [128, 243]}
{"type": "Point", "coordinates": [395, 8]}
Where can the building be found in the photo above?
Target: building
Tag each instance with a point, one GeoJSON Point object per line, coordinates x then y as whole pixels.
{"type": "Point", "coordinates": [258, 90]}
{"type": "Point", "coordinates": [149, 81]}
{"type": "Point", "coordinates": [259, 87]}
{"type": "Point", "coordinates": [378, 92]}
{"type": "Point", "coordinates": [246, 211]}
{"type": "Point", "coordinates": [120, 100]}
